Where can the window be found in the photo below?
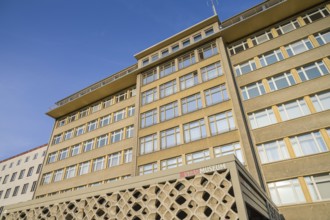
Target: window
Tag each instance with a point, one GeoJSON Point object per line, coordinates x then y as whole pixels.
{"type": "Point", "coordinates": [121, 97]}
{"type": "Point", "coordinates": [117, 135]}
{"type": "Point", "coordinates": [298, 47]}
{"type": "Point", "coordinates": [96, 107]}
{"type": "Point", "coordinates": [72, 118]}
{"type": "Point", "coordinates": [194, 130]}
{"type": "Point", "coordinates": [46, 178]}
{"type": "Point", "coordinates": [167, 69]}
{"type": "Point", "coordinates": [188, 80]}
{"type": "Point", "coordinates": [198, 156]}
{"type": "Point", "coordinates": [70, 172]}
{"type": "Point", "coordinates": [261, 38]}
{"type": "Point", "coordinates": [108, 102]}
{"type": "Point", "coordinates": [7, 193]}
{"type": "Point", "coordinates": [171, 163]}
{"type": "Point", "coordinates": [186, 60]}
{"type": "Point", "coordinates": [169, 111]}
{"type": "Point", "coordinates": [271, 57]}
{"type": "Point", "coordinates": [168, 88]}
{"type": "Point", "coordinates": [129, 131]}
{"type": "Point", "coordinates": [211, 71]}
{"type": "Point", "coordinates": [34, 186]}
{"type": "Point", "coordinates": [1, 192]}
{"type": "Point", "coordinates": [83, 168]}
{"type": "Point", "coordinates": [58, 174]}
{"type": "Point", "coordinates": [221, 123]}
{"type": "Point", "coordinates": [102, 141]}
{"type": "Point", "coordinates": [281, 81]}
{"type": "Point", "coordinates": [75, 150]}
{"type": "Point", "coordinates": [149, 76]}
{"type": "Point", "coordinates": [80, 130]}
{"type": "Point", "coordinates": [186, 43]}
{"type": "Point", "coordinates": [262, 118]}
{"type": "Point", "coordinates": [312, 71]}
{"type": "Point", "coordinates": [128, 156]}
{"type": "Point", "coordinates": [318, 186]}
{"type": "Point", "coordinates": [64, 154]}
{"type": "Point", "coordinates": [25, 187]}
{"type": "Point", "coordinates": [149, 118]}
{"type": "Point", "coordinates": [209, 32]}
{"type": "Point", "coordinates": [39, 168]}
{"type": "Point", "coordinates": [3, 167]}
{"type": "Point", "coordinates": [234, 148]}
{"type": "Point", "coordinates": [92, 125]}
{"type": "Point", "coordinates": [61, 122]}
{"type": "Point", "coordinates": [16, 191]}
{"type": "Point", "coordinates": [57, 139]}
{"type": "Point", "coordinates": [18, 162]}
{"type": "Point", "coordinates": [216, 95]}
{"type": "Point", "coordinates": [131, 111]}
{"type": "Point", "coordinates": [52, 157]}
{"type": "Point", "coordinates": [154, 57]}
{"type": "Point", "coordinates": [119, 115]}
{"type": "Point", "coordinates": [321, 101]}
{"type": "Point", "coordinates": [191, 103]}
{"type": "Point", "coordinates": [306, 144]}
{"type": "Point", "coordinates": [35, 156]}
{"type": "Point", "coordinates": [197, 37]}
{"type": "Point", "coordinates": [273, 151]}
{"type": "Point", "coordinates": [148, 168]}
{"type": "Point", "coordinates": [88, 145]}
{"type": "Point", "coordinates": [293, 109]}
{"type": "Point", "coordinates": [145, 62]}
{"type": "Point", "coordinates": [27, 159]}
{"type": "Point", "coordinates": [165, 53]}
{"type": "Point", "coordinates": [207, 51]}
{"type": "Point", "coordinates": [238, 47]}
{"type": "Point", "coordinates": [149, 96]}
{"type": "Point", "coordinates": [175, 48]}
{"type": "Point", "coordinates": [253, 90]}
{"type": "Point", "coordinates": [21, 174]}
{"type": "Point", "coordinates": [83, 113]}
{"type": "Point", "coordinates": [148, 144]}
{"type": "Point", "coordinates": [323, 38]}
{"type": "Point", "coordinates": [316, 15]}
{"type": "Point", "coordinates": [5, 180]}
{"type": "Point", "coordinates": [286, 192]}
{"type": "Point", "coordinates": [98, 164]}
{"type": "Point", "coordinates": [104, 121]}
{"type": "Point", "coordinates": [13, 177]}
{"type": "Point", "coordinates": [30, 171]}
{"type": "Point", "coordinates": [287, 27]}
{"type": "Point", "coordinates": [170, 138]}
{"type": "Point", "coordinates": [114, 159]}
{"type": "Point", "coordinates": [246, 67]}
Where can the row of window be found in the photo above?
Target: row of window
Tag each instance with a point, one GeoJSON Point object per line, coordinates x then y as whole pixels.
{"type": "Point", "coordinates": [195, 157]}
{"type": "Point", "coordinates": [21, 174]}
{"type": "Point", "coordinates": [290, 110]}
{"type": "Point", "coordinates": [177, 46]}
{"type": "Point", "coordinates": [192, 131]}
{"type": "Point", "coordinates": [94, 165]}
{"type": "Point", "coordinates": [302, 145]}
{"type": "Point", "coordinates": [11, 164]}
{"type": "Point", "coordinates": [283, 80]}
{"type": "Point", "coordinates": [183, 61]}
{"type": "Point", "coordinates": [274, 56]}
{"type": "Point", "coordinates": [16, 190]}
{"type": "Point", "coordinates": [290, 191]}
{"type": "Point", "coordinates": [281, 29]}
{"type": "Point", "coordinates": [107, 102]}
{"type": "Point", "coordinates": [94, 124]}
{"type": "Point", "coordinates": [100, 141]}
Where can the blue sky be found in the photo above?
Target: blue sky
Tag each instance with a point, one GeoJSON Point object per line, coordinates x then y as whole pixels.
{"type": "Point", "coordinates": [50, 49]}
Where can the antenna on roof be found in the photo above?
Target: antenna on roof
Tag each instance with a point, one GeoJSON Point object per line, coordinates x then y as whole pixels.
{"type": "Point", "coordinates": [213, 6]}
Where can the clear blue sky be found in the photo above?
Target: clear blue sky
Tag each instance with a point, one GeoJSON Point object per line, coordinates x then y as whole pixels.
{"type": "Point", "coordinates": [50, 49]}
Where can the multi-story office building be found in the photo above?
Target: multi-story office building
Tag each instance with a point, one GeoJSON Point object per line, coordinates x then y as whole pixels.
{"type": "Point", "coordinates": [256, 86]}
{"type": "Point", "coordinates": [19, 176]}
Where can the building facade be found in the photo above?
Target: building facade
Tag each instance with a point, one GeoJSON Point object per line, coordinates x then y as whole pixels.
{"type": "Point", "coordinates": [19, 176]}
{"type": "Point", "coordinates": [256, 86]}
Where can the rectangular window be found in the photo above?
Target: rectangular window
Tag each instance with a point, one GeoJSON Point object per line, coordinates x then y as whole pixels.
{"type": "Point", "coordinates": [70, 172]}
{"type": "Point", "coordinates": [271, 57]}
{"type": "Point", "coordinates": [105, 120]}
{"type": "Point", "coordinates": [188, 80]}
{"type": "Point", "coordinates": [148, 144]}
{"type": "Point", "coordinates": [262, 118]}
{"type": "Point", "coordinates": [88, 145]}
{"type": "Point", "coordinates": [102, 141]}
{"type": "Point", "coordinates": [96, 107]}
{"type": "Point", "coordinates": [121, 96]}
{"type": "Point", "coordinates": [286, 192]}
{"type": "Point", "coordinates": [169, 111]}
{"type": "Point", "coordinates": [58, 175]}
{"type": "Point", "coordinates": [165, 53]}
{"type": "Point", "coordinates": [312, 71]}
{"type": "Point", "coordinates": [234, 148]}
{"type": "Point", "coordinates": [318, 186]}
{"type": "Point", "coordinates": [323, 38]}
{"type": "Point", "coordinates": [186, 43]}
{"type": "Point", "coordinates": [149, 96]}
{"type": "Point", "coordinates": [307, 144]}
{"type": "Point", "coordinates": [46, 178]}
{"type": "Point", "coordinates": [92, 125]}
{"type": "Point", "coordinates": [281, 81]}
{"type": "Point", "coordinates": [27, 159]}
{"type": "Point", "coordinates": [168, 88]}
{"type": "Point", "coordinates": [25, 187]}
{"type": "Point", "coordinates": [293, 109]}
{"type": "Point", "coordinates": [30, 171]}
{"type": "Point", "coordinates": [149, 118]}
{"type": "Point", "coordinates": [194, 130]}
{"type": "Point", "coordinates": [238, 47]}
{"type": "Point", "coordinates": [216, 95]}
{"type": "Point", "coordinates": [108, 102]}
{"type": "Point", "coordinates": [253, 90]}
{"type": "Point", "coordinates": [167, 69]}
{"type": "Point", "coordinates": [321, 101]}
{"type": "Point", "coordinates": [209, 32]}
{"type": "Point", "coordinates": [273, 151]}
{"type": "Point", "coordinates": [221, 123]}
{"type": "Point", "coordinates": [261, 38]}
{"type": "Point", "coordinates": [207, 51]}
{"type": "Point", "coordinates": [5, 180]}
{"type": "Point", "coordinates": [149, 77]}
{"type": "Point", "coordinates": [64, 154]}
{"type": "Point", "coordinates": [211, 71]}
{"type": "Point", "coordinates": [191, 103]}
{"type": "Point", "coordinates": [39, 168]}
{"type": "Point", "coordinates": [83, 113]}
{"type": "Point", "coordinates": [128, 156]}
{"type": "Point", "coordinates": [148, 168]}
{"type": "Point", "coordinates": [170, 138]}
{"type": "Point", "coordinates": [72, 118]}
{"type": "Point", "coordinates": [246, 67]}
{"type": "Point", "coordinates": [197, 37]}
{"type": "Point", "coordinates": [83, 168]}
{"type": "Point", "coordinates": [57, 139]}
{"type": "Point", "coordinates": [198, 156]}
{"type": "Point", "coordinates": [68, 134]}
{"type": "Point", "coordinates": [21, 174]}
{"type": "Point", "coordinates": [13, 177]}
{"type": "Point", "coordinates": [52, 157]}
{"type": "Point", "coordinates": [131, 111]}
{"type": "Point", "coordinates": [119, 115]}
{"type": "Point", "coordinates": [114, 159]}
{"type": "Point", "coordinates": [171, 163]}
{"type": "Point", "coordinates": [129, 131]}
{"type": "Point", "coordinates": [117, 135]}
{"type": "Point", "coordinates": [61, 122]}
{"type": "Point", "coordinates": [19, 161]}
{"type": "Point", "coordinates": [315, 15]}
{"type": "Point", "coordinates": [98, 164]}
{"type": "Point", "coordinates": [75, 150]}
{"type": "Point", "coordinates": [154, 57]}
{"type": "Point", "coordinates": [35, 156]}
{"type": "Point", "coordinates": [299, 47]}
{"type": "Point", "coordinates": [186, 60]}
{"type": "Point", "coordinates": [175, 48]}
{"type": "Point", "coordinates": [7, 193]}
{"type": "Point", "coordinates": [145, 62]}
{"type": "Point", "coordinates": [16, 191]}
{"type": "Point", "coordinates": [287, 27]}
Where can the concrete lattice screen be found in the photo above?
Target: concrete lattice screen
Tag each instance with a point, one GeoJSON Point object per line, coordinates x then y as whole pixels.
{"type": "Point", "coordinates": [204, 196]}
